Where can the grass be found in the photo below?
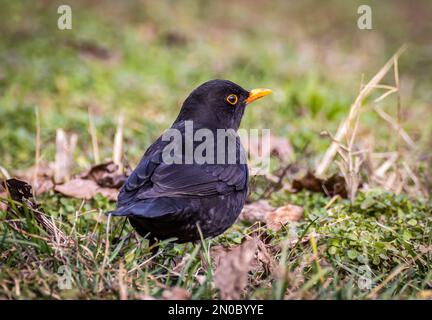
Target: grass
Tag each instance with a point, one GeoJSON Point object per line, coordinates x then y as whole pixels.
{"type": "Point", "coordinates": [378, 234]}
{"type": "Point", "coordinates": [141, 59]}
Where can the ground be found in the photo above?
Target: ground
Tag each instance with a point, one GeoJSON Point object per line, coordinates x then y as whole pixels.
{"type": "Point", "coordinates": [141, 59]}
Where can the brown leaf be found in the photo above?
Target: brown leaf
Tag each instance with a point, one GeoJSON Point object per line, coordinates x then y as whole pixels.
{"type": "Point", "coordinates": [103, 178]}
{"type": "Point", "coordinates": [40, 177]}
{"type": "Point", "coordinates": [231, 274]}
{"type": "Point", "coordinates": [43, 169]}
{"type": "Point", "coordinates": [106, 175]}
{"type": "Point", "coordinates": [217, 253]}
{"type": "Point", "coordinates": [78, 188]}
{"type": "Point", "coordinates": [263, 259]}
{"type": "Point", "coordinates": [274, 217]}
{"type": "Point", "coordinates": [308, 182]}
{"type": "Point", "coordinates": [256, 211]}
{"type": "Point", "coordinates": [85, 189]}
{"type": "Point", "coordinates": [176, 293]}
{"type": "Point", "coordinates": [282, 215]}
{"type": "Point", "coordinates": [335, 185]}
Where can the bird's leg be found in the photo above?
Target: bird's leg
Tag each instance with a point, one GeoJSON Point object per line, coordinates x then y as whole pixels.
{"type": "Point", "coordinates": [118, 238]}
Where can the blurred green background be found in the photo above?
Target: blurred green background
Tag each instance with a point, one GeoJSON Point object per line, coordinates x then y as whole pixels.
{"type": "Point", "coordinates": [142, 58]}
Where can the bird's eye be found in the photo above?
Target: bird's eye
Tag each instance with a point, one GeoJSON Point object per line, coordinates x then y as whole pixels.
{"type": "Point", "coordinates": [232, 99]}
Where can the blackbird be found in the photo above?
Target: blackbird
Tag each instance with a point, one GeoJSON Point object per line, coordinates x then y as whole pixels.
{"type": "Point", "coordinates": [176, 199]}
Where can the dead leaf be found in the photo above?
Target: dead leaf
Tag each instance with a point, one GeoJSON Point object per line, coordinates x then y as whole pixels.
{"type": "Point", "coordinates": [308, 182]}
{"type": "Point", "coordinates": [103, 178]}
{"type": "Point", "coordinates": [39, 177]}
{"type": "Point", "coordinates": [78, 188]}
{"type": "Point", "coordinates": [231, 274]}
{"type": "Point", "coordinates": [335, 185]}
{"type": "Point", "coordinates": [105, 175]}
{"type": "Point", "coordinates": [217, 253]}
{"type": "Point", "coordinates": [85, 189]}
{"type": "Point", "coordinates": [274, 217]}
{"type": "Point", "coordinates": [43, 169]}
{"type": "Point", "coordinates": [43, 186]}
{"type": "Point", "coordinates": [176, 293]}
{"type": "Point", "coordinates": [282, 215]}
{"type": "Point", "coordinates": [263, 259]}
{"type": "Point", "coordinates": [256, 211]}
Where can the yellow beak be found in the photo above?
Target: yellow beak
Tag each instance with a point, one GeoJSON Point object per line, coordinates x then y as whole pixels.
{"type": "Point", "coordinates": [255, 94]}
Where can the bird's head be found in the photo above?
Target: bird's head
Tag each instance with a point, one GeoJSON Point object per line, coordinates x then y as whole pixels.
{"type": "Point", "coordinates": [219, 104]}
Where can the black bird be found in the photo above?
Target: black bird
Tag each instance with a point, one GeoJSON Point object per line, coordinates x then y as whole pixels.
{"type": "Point", "coordinates": [168, 200]}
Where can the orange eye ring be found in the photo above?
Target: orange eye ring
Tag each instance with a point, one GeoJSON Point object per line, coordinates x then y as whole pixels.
{"type": "Point", "coordinates": [232, 99]}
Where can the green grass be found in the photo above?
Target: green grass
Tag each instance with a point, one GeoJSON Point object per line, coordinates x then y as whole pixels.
{"type": "Point", "coordinates": [156, 53]}
{"type": "Point", "coordinates": [379, 233]}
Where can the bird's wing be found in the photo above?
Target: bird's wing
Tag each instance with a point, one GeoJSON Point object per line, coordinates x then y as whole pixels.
{"type": "Point", "coordinates": [153, 178]}
{"type": "Point", "coordinates": [154, 187]}
{"type": "Point", "coordinates": [140, 177]}
{"type": "Point", "coordinates": [183, 180]}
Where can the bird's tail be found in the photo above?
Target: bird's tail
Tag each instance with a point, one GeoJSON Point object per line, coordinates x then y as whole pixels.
{"type": "Point", "coordinates": [149, 208]}
{"type": "Point", "coordinates": [120, 211]}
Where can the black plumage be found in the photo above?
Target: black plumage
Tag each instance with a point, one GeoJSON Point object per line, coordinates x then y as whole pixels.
{"type": "Point", "coordinates": [169, 200]}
